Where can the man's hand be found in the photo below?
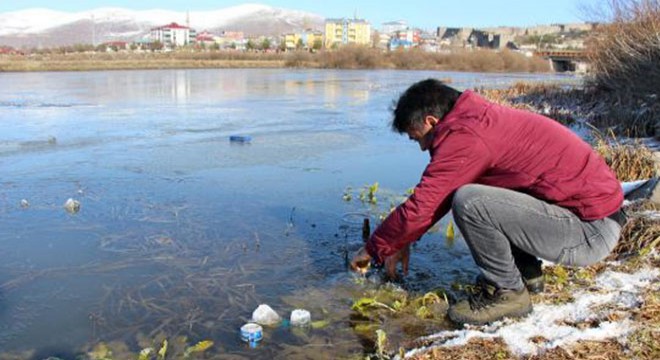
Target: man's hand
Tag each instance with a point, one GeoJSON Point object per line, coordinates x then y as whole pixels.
{"type": "Point", "coordinates": [361, 260]}
{"type": "Point", "coordinates": [403, 256]}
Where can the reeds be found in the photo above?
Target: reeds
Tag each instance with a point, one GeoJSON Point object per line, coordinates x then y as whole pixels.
{"type": "Point", "coordinates": [639, 236]}
{"type": "Point", "coordinates": [625, 64]}
{"type": "Point", "coordinates": [629, 161]}
{"type": "Point", "coordinates": [625, 52]}
{"type": "Point", "coordinates": [547, 99]}
{"type": "Point", "coordinates": [348, 57]}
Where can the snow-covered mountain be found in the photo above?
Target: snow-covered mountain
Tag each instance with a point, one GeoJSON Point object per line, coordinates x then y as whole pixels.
{"type": "Point", "coordinates": [44, 27]}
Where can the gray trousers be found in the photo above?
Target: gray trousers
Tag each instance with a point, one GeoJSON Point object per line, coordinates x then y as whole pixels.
{"type": "Point", "coordinates": [496, 221]}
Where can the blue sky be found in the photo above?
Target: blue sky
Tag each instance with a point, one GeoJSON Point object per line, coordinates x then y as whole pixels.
{"type": "Point", "coordinates": [425, 13]}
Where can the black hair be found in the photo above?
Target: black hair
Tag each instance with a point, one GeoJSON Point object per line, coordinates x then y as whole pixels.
{"type": "Point", "coordinates": [427, 97]}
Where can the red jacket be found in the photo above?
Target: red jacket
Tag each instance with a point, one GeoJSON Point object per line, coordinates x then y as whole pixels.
{"type": "Point", "coordinates": [479, 142]}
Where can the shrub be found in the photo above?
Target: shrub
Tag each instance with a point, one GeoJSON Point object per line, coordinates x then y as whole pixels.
{"type": "Point", "coordinates": [351, 57]}
{"type": "Point", "coordinates": [297, 58]}
{"type": "Point", "coordinates": [625, 62]}
{"type": "Point", "coordinates": [625, 54]}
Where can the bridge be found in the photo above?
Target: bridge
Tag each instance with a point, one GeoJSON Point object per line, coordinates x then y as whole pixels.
{"type": "Point", "coordinates": [566, 60]}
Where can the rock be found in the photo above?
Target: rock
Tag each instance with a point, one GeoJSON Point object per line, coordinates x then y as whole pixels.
{"type": "Point", "coordinates": [72, 206]}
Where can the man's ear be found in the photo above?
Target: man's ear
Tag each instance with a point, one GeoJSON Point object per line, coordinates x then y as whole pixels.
{"type": "Point", "coordinates": [431, 120]}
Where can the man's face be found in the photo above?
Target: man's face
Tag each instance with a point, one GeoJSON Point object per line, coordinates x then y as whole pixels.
{"type": "Point", "coordinates": [423, 133]}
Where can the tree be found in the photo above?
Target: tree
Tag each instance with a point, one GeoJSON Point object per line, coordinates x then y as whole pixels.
{"type": "Point", "coordinates": [250, 45]}
{"type": "Point", "coordinates": [318, 44]}
{"type": "Point", "coordinates": [375, 39]}
{"type": "Point", "coordinates": [300, 44]}
{"type": "Point", "coordinates": [265, 44]}
{"type": "Point", "coordinates": [156, 45]}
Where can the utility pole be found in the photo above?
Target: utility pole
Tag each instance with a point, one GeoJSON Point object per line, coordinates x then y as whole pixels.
{"type": "Point", "coordinates": [93, 31]}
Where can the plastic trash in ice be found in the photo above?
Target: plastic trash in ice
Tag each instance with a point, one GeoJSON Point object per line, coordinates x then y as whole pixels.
{"type": "Point", "coordinates": [265, 315]}
{"type": "Point", "coordinates": [300, 317]}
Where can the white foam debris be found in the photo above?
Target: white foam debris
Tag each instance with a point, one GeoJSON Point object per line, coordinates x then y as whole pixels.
{"type": "Point", "coordinates": [615, 291]}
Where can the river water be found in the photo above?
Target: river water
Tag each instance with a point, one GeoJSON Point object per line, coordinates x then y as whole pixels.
{"type": "Point", "coordinates": [184, 233]}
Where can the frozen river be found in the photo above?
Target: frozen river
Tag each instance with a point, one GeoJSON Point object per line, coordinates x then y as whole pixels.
{"type": "Point", "coordinates": [184, 233]}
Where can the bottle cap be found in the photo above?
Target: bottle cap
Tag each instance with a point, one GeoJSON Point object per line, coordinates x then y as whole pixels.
{"type": "Point", "coordinates": [251, 333]}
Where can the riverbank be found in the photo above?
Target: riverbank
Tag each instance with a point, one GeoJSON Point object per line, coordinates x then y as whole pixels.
{"type": "Point", "coordinates": [127, 64]}
{"type": "Point", "coordinates": [631, 117]}
{"type": "Point", "coordinates": [345, 58]}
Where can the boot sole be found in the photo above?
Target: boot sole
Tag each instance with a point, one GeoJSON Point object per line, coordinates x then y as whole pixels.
{"type": "Point", "coordinates": [515, 315]}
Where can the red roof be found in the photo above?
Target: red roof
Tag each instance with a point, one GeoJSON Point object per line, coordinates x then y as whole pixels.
{"type": "Point", "coordinates": [171, 26]}
{"type": "Point", "coordinates": [204, 38]}
{"type": "Point", "coordinates": [7, 50]}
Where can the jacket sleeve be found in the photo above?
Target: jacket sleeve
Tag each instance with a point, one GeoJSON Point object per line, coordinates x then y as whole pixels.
{"type": "Point", "coordinates": [459, 158]}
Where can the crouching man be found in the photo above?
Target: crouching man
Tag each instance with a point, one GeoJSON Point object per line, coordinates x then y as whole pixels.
{"type": "Point", "coordinates": [521, 187]}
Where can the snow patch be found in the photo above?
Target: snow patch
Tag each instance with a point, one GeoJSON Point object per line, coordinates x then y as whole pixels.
{"type": "Point", "coordinates": [653, 215]}
{"type": "Point", "coordinates": [554, 324]}
{"type": "Point", "coordinates": [38, 20]}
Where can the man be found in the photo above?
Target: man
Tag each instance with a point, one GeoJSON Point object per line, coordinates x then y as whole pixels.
{"type": "Point", "coordinates": [521, 187]}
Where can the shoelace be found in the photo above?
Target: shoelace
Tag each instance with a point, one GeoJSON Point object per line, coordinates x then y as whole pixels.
{"type": "Point", "coordinates": [480, 300]}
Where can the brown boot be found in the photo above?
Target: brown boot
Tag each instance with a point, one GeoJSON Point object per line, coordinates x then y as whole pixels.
{"type": "Point", "coordinates": [485, 307]}
{"type": "Point", "coordinates": [534, 284]}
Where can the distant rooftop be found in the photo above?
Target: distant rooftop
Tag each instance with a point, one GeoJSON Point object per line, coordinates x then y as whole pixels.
{"type": "Point", "coordinates": [171, 26]}
{"type": "Point", "coordinates": [397, 22]}
{"type": "Point", "coordinates": [346, 20]}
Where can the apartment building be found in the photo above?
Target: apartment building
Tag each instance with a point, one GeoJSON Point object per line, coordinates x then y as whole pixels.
{"type": "Point", "coordinates": [173, 35]}
{"type": "Point", "coordinates": [339, 32]}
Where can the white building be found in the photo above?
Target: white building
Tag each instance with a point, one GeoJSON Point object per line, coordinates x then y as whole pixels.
{"type": "Point", "coordinates": [173, 35]}
{"type": "Point", "coordinates": [393, 26]}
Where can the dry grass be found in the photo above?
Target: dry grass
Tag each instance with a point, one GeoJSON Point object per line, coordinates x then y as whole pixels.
{"type": "Point", "coordinates": [625, 61]}
{"type": "Point", "coordinates": [551, 100]}
{"type": "Point", "coordinates": [131, 64]}
{"type": "Point", "coordinates": [638, 237]}
{"type": "Point", "coordinates": [298, 59]}
{"type": "Point", "coordinates": [642, 206]}
{"type": "Point", "coordinates": [628, 161]}
{"type": "Point", "coordinates": [476, 349]}
{"type": "Point", "coordinates": [644, 343]}
{"type": "Point", "coordinates": [585, 350]}
{"type": "Point", "coordinates": [350, 57]}
{"type": "Point", "coordinates": [604, 110]}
